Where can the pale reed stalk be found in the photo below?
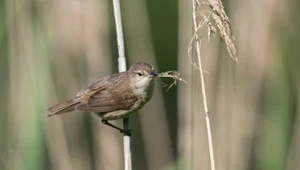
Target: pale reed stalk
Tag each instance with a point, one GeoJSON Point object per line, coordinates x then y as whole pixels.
{"type": "Point", "coordinates": [207, 119]}
{"type": "Point", "coordinates": [122, 67]}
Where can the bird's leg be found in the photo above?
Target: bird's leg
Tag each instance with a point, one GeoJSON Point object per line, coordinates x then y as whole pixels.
{"type": "Point", "coordinates": [113, 126]}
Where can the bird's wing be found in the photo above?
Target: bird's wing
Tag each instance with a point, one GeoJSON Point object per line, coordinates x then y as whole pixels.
{"type": "Point", "coordinates": [108, 102]}
{"type": "Point", "coordinates": [107, 94]}
{"type": "Point", "coordinates": [98, 85]}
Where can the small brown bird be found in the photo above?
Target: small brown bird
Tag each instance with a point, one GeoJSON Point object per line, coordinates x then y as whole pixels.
{"type": "Point", "coordinates": [115, 96]}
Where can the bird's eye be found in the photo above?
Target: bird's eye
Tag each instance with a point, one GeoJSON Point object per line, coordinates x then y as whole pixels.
{"type": "Point", "coordinates": [139, 73]}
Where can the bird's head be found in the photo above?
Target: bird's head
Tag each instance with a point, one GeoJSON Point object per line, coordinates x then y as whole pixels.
{"type": "Point", "coordinates": [142, 74]}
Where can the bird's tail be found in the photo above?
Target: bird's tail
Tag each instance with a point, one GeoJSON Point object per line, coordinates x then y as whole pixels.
{"type": "Point", "coordinates": [64, 107]}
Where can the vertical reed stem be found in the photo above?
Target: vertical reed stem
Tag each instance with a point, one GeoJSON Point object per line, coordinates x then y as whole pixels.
{"type": "Point", "coordinates": [122, 67]}
{"type": "Point", "coordinates": [198, 50]}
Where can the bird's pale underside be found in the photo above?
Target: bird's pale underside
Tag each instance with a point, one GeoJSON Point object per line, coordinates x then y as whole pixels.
{"type": "Point", "coordinates": [114, 96]}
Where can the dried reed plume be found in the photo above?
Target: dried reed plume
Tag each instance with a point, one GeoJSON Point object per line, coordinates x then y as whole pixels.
{"type": "Point", "coordinates": [215, 11]}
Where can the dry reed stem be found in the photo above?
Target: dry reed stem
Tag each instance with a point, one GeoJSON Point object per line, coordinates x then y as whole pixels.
{"type": "Point", "coordinates": [203, 90]}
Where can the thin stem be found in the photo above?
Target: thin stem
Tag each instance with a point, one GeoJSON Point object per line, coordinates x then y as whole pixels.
{"type": "Point", "coordinates": [198, 49]}
{"type": "Point", "coordinates": [122, 67]}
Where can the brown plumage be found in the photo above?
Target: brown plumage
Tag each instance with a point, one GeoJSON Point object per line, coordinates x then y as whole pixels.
{"type": "Point", "coordinates": [114, 96]}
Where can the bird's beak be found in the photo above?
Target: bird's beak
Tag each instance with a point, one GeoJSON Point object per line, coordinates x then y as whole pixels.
{"type": "Point", "coordinates": [153, 74]}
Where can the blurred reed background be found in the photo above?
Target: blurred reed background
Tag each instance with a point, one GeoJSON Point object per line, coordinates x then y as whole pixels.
{"type": "Point", "coordinates": [51, 49]}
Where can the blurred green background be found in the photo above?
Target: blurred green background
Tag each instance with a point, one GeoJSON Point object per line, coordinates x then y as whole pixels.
{"type": "Point", "coordinates": [50, 49]}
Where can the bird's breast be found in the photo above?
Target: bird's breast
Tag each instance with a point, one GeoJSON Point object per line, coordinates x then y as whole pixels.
{"type": "Point", "coordinates": [145, 93]}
